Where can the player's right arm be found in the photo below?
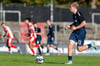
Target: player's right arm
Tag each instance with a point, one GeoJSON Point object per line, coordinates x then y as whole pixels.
{"type": "Point", "coordinates": [68, 26]}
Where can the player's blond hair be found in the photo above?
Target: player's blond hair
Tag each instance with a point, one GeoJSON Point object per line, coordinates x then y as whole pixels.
{"type": "Point", "coordinates": [75, 4]}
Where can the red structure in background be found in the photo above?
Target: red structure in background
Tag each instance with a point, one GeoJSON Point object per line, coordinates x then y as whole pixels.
{"type": "Point", "coordinates": [24, 31]}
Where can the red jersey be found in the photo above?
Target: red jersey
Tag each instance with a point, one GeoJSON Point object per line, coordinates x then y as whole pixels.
{"type": "Point", "coordinates": [31, 30]}
{"type": "Point", "coordinates": [7, 29]}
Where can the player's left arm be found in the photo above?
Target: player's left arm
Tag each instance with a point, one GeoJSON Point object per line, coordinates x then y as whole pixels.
{"type": "Point", "coordinates": [83, 23]}
{"type": "Point", "coordinates": [6, 34]}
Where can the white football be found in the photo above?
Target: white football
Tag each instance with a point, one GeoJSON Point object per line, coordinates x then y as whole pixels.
{"type": "Point", "coordinates": [39, 59]}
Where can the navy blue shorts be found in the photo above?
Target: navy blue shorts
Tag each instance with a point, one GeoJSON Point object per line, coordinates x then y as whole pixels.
{"type": "Point", "coordinates": [38, 40]}
{"type": "Point", "coordinates": [49, 41]}
{"type": "Point", "coordinates": [78, 37]}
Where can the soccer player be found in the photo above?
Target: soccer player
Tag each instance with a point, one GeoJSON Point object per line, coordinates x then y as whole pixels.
{"type": "Point", "coordinates": [38, 39]}
{"type": "Point", "coordinates": [32, 35]}
{"type": "Point", "coordinates": [79, 32]}
{"type": "Point", "coordinates": [9, 34]}
{"type": "Point", "coordinates": [50, 40]}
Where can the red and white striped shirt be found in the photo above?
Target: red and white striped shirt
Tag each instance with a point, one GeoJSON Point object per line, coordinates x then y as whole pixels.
{"type": "Point", "coordinates": [31, 28]}
{"type": "Point", "coordinates": [7, 29]}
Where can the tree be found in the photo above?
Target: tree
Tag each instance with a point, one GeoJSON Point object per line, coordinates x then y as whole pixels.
{"type": "Point", "coordinates": [5, 1]}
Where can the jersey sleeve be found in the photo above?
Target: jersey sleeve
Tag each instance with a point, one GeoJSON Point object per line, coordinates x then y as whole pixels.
{"type": "Point", "coordinates": [81, 18]}
{"type": "Point", "coordinates": [71, 24]}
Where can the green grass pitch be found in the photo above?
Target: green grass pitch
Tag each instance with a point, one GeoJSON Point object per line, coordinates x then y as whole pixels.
{"type": "Point", "coordinates": [52, 60]}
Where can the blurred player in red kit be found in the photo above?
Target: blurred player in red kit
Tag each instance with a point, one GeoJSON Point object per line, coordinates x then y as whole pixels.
{"type": "Point", "coordinates": [31, 34]}
{"type": "Point", "coordinates": [9, 34]}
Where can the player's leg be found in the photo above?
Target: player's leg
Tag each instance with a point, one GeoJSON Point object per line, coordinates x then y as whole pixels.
{"type": "Point", "coordinates": [48, 44]}
{"type": "Point", "coordinates": [39, 50]}
{"type": "Point", "coordinates": [9, 46]}
{"type": "Point", "coordinates": [85, 47]}
{"type": "Point", "coordinates": [51, 42]}
{"type": "Point", "coordinates": [38, 41]}
{"type": "Point", "coordinates": [53, 46]}
{"type": "Point", "coordinates": [94, 45]}
{"type": "Point", "coordinates": [48, 50]}
{"type": "Point", "coordinates": [35, 44]}
{"type": "Point", "coordinates": [80, 43]}
{"type": "Point", "coordinates": [70, 51]}
{"type": "Point", "coordinates": [13, 46]}
{"type": "Point", "coordinates": [72, 40]}
{"type": "Point", "coordinates": [82, 48]}
{"type": "Point", "coordinates": [31, 45]}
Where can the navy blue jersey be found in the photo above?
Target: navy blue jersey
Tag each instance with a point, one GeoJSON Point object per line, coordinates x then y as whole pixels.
{"type": "Point", "coordinates": [38, 30]}
{"type": "Point", "coordinates": [51, 31]}
{"type": "Point", "coordinates": [78, 19]}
